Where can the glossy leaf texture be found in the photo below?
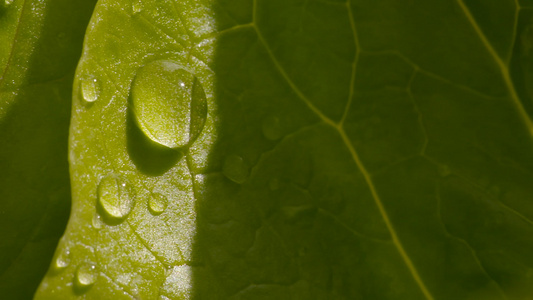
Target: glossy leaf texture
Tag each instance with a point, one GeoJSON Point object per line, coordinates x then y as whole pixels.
{"type": "Point", "coordinates": [301, 149]}
{"type": "Point", "coordinates": [39, 49]}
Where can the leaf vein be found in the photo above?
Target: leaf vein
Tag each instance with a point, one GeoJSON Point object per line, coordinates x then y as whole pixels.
{"type": "Point", "coordinates": [467, 245]}
{"type": "Point", "coordinates": [354, 63]}
{"type": "Point", "coordinates": [143, 243]}
{"type": "Point", "coordinates": [355, 157]}
{"type": "Point", "coordinates": [350, 229]}
{"type": "Point", "coordinates": [504, 68]}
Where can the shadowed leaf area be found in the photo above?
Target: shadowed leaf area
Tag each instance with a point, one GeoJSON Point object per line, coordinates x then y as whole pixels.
{"type": "Point", "coordinates": [302, 149]}
{"type": "Point", "coordinates": [39, 49]}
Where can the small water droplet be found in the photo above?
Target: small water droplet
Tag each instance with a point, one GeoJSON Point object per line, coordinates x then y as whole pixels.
{"type": "Point", "coordinates": [86, 275]}
{"type": "Point", "coordinates": [272, 128]}
{"type": "Point", "coordinates": [137, 6]}
{"type": "Point", "coordinates": [273, 184]}
{"type": "Point", "coordinates": [157, 204]}
{"type": "Point", "coordinates": [169, 103]}
{"type": "Point", "coordinates": [8, 2]}
{"type": "Point", "coordinates": [235, 169]}
{"type": "Point", "coordinates": [115, 197]}
{"type": "Point", "coordinates": [90, 89]}
{"type": "Point", "coordinates": [97, 221]}
{"type": "Point", "coordinates": [62, 259]}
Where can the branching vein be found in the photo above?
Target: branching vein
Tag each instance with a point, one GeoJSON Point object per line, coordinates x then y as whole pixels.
{"type": "Point", "coordinates": [355, 157]}
{"type": "Point", "coordinates": [504, 68]}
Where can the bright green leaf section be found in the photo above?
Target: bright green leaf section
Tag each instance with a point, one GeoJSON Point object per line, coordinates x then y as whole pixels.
{"type": "Point", "coordinates": [39, 49]}
{"type": "Point", "coordinates": [344, 150]}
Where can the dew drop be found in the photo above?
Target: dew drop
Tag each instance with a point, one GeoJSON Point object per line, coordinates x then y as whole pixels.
{"type": "Point", "coordinates": [90, 89]}
{"type": "Point", "coordinates": [235, 169]}
{"type": "Point", "coordinates": [62, 259]}
{"type": "Point", "coordinates": [157, 204]}
{"type": "Point", "coordinates": [115, 197]}
{"type": "Point", "coordinates": [169, 103]}
{"type": "Point", "coordinates": [272, 128]}
{"type": "Point", "coordinates": [86, 275]}
{"type": "Point", "coordinates": [97, 221]}
{"type": "Point", "coordinates": [8, 2]}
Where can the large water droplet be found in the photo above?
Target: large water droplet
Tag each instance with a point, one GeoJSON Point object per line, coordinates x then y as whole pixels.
{"type": "Point", "coordinates": [115, 197]}
{"type": "Point", "coordinates": [235, 169]}
{"type": "Point", "coordinates": [90, 89]}
{"type": "Point", "coordinates": [272, 128]}
{"type": "Point", "coordinates": [62, 259]}
{"type": "Point", "coordinates": [169, 103]}
{"type": "Point", "coordinates": [157, 203]}
{"type": "Point", "coordinates": [86, 275]}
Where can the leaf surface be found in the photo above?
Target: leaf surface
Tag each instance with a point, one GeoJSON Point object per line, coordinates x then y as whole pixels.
{"type": "Point", "coordinates": [302, 149]}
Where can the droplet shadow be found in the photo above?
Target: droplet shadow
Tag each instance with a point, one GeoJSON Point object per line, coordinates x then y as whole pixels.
{"type": "Point", "coordinates": [80, 289]}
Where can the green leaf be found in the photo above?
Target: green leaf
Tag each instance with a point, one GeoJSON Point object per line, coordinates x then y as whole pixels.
{"type": "Point", "coordinates": [39, 49]}
{"type": "Point", "coordinates": [302, 149]}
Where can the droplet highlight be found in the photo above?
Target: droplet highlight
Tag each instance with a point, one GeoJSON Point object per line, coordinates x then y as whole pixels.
{"type": "Point", "coordinates": [157, 204]}
{"type": "Point", "coordinates": [235, 169]}
{"type": "Point", "coordinates": [272, 128]}
{"type": "Point", "coordinates": [90, 89]}
{"type": "Point", "coordinates": [62, 260]}
{"type": "Point", "coordinates": [97, 221]}
{"type": "Point", "coordinates": [169, 103]}
{"type": "Point", "coordinates": [115, 197]}
{"type": "Point", "coordinates": [86, 275]}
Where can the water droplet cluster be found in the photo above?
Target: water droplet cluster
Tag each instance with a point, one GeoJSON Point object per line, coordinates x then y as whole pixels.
{"type": "Point", "coordinates": [168, 104]}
